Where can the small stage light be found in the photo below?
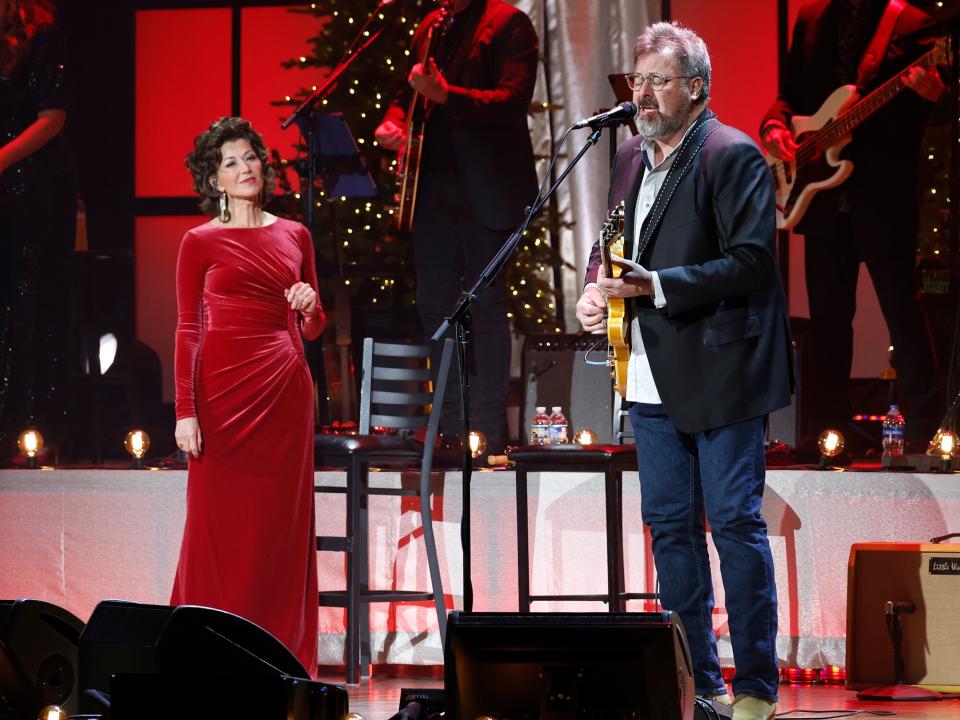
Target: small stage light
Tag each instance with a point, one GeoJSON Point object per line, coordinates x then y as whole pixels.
{"type": "Point", "coordinates": [831, 444]}
{"type": "Point", "coordinates": [801, 676]}
{"type": "Point", "coordinates": [944, 445]}
{"type": "Point", "coordinates": [52, 712]}
{"type": "Point", "coordinates": [30, 444]}
{"type": "Point", "coordinates": [137, 442]}
{"type": "Point", "coordinates": [478, 444]}
{"type": "Point", "coordinates": [585, 436]}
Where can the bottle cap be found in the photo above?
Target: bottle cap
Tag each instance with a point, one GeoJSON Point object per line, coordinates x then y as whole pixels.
{"type": "Point", "coordinates": [541, 408]}
{"type": "Point", "coordinates": [556, 408]}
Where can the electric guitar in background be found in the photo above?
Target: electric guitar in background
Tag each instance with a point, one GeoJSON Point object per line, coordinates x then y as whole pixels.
{"type": "Point", "coordinates": [821, 137]}
{"type": "Point", "coordinates": [618, 320]}
{"type": "Point", "coordinates": [408, 162]}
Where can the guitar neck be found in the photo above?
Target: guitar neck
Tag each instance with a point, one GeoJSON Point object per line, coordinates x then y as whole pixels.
{"type": "Point", "coordinates": [846, 123]}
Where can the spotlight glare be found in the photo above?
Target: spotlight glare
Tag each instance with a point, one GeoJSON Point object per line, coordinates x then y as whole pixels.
{"type": "Point", "coordinates": [585, 436]}
{"type": "Point", "coordinates": [108, 352]}
{"type": "Point", "coordinates": [137, 442]}
{"type": "Point", "coordinates": [478, 443]}
{"type": "Point", "coordinates": [831, 442]}
{"type": "Point", "coordinates": [30, 442]}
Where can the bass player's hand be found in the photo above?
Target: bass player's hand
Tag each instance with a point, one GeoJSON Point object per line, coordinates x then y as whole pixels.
{"type": "Point", "coordinates": [389, 135]}
{"type": "Point", "coordinates": [925, 82]}
{"type": "Point", "coordinates": [779, 142]}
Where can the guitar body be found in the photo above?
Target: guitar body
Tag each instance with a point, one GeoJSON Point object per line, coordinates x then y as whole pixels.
{"type": "Point", "coordinates": [618, 319]}
{"type": "Point", "coordinates": [795, 188]}
{"type": "Point", "coordinates": [618, 331]}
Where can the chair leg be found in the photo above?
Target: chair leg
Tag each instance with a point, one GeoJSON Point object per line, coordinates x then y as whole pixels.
{"type": "Point", "coordinates": [614, 520]}
{"type": "Point", "coordinates": [523, 547]}
{"type": "Point", "coordinates": [356, 549]}
{"type": "Point", "coordinates": [433, 561]}
{"type": "Point", "coordinates": [363, 571]}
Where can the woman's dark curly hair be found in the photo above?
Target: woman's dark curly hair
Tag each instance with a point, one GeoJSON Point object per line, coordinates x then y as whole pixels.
{"type": "Point", "coordinates": [204, 161]}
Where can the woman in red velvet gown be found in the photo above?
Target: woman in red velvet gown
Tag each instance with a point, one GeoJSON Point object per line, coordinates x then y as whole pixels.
{"type": "Point", "coordinates": [246, 291]}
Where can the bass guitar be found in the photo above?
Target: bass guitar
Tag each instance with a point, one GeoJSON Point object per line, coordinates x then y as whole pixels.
{"type": "Point", "coordinates": [820, 138]}
{"type": "Point", "coordinates": [408, 162]}
{"type": "Point", "coordinates": [618, 320]}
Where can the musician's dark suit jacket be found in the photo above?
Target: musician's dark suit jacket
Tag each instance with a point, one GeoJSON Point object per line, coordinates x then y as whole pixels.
{"type": "Point", "coordinates": [883, 186]}
{"type": "Point", "coordinates": [491, 75]}
{"type": "Point", "coordinates": [720, 350]}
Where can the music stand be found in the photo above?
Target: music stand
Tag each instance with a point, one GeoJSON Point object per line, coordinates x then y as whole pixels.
{"type": "Point", "coordinates": [342, 168]}
{"type": "Point", "coordinates": [335, 157]}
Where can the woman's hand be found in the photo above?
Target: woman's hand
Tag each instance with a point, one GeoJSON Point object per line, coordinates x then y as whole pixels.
{"type": "Point", "coordinates": [302, 297]}
{"type": "Point", "coordinates": [188, 435]}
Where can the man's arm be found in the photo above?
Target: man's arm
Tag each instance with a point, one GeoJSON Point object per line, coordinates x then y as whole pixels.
{"type": "Point", "coordinates": [516, 51]}
{"type": "Point", "coordinates": [744, 217]}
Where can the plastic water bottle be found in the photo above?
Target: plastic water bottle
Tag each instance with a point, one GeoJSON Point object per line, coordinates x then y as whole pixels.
{"type": "Point", "coordinates": [540, 427]}
{"type": "Point", "coordinates": [893, 429]}
{"type": "Point", "coordinates": [558, 427]}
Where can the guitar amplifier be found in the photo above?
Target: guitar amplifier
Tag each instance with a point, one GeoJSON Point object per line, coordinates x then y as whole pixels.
{"type": "Point", "coordinates": [925, 574]}
{"type": "Point", "coordinates": [555, 373]}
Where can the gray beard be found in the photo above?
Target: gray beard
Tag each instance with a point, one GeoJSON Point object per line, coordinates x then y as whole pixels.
{"type": "Point", "coordinates": [661, 126]}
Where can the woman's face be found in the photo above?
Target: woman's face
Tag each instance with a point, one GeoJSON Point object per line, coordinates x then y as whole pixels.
{"type": "Point", "coordinates": [241, 172]}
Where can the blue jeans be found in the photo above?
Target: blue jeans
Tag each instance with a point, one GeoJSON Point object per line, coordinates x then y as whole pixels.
{"type": "Point", "coordinates": [719, 472]}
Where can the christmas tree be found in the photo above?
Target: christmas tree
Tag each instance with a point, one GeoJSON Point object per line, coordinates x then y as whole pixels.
{"type": "Point", "coordinates": [376, 260]}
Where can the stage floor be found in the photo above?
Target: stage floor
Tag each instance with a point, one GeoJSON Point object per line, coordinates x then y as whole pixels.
{"type": "Point", "coordinates": [379, 698]}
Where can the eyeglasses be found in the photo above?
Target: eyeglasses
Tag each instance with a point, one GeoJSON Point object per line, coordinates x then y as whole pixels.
{"type": "Point", "coordinates": [656, 81]}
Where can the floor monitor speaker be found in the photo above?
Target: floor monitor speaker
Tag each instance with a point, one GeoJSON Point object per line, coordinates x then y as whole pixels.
{"type": "Point", "coordinates": [566, 665]}
{"type": "Point", "coordinates": [38, 658]}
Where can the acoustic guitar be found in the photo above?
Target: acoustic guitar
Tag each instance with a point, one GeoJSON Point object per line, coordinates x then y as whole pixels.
{"type": "Point", "coordinates": [408, 162]}
{"type": "Point", "coordinates": [820, 138]}
{"type": "Point", "coordinates": [618, 320]}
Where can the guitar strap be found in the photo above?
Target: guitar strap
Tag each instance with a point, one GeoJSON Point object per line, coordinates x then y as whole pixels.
{"type": "Point", "coordinates": [877, 49]}
{"type": "Point", "coordinates": [688, 151]}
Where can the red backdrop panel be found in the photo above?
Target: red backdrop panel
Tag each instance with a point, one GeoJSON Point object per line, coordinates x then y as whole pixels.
{"type": "Point", "coordinates": [157, 240]}
{"type": "Point", "coordinates": [744, 72]}
{"type": "Point", "coordinates": [270, 36]}
{"type": "Point", "coordinates": [182, 84]}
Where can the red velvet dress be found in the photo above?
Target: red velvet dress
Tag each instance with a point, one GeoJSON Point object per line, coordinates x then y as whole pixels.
{"type": "Point", "coordinates": [249, 545]}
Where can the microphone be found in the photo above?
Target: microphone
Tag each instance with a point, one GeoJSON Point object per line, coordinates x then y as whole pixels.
{"type": "Point", "coordinates": [891, 607]}
{"type": "Point", "coordinates": [624, 112]}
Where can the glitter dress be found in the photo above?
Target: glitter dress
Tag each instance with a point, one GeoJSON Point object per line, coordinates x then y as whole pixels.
{"type": "Point", "coordinates": [37, 231]}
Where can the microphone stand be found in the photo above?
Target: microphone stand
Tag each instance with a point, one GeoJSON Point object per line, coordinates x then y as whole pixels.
{"type": "Point", "coordinates": [460, 316]}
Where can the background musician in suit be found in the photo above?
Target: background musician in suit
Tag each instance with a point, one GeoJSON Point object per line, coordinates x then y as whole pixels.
{"type": "Point", "coordinates": [710, 354]}
{"type": "Point", "coordinates": [871, 218]}
{"type": "Point", "coordinates": [477, 176]}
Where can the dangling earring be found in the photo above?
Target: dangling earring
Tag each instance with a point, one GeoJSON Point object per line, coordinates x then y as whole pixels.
{"type": "Point", "coordinates": [224, 210]}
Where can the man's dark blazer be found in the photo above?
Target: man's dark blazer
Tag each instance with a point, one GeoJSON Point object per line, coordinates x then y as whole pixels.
{"type": "Point", "coordinates": [720, 350]}
{"type": "Point", "coordinates": [491, 77]}
{"type": "Point", "coordinates": [883, 186]}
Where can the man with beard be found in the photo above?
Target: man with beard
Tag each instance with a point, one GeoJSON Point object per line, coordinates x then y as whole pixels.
{"type": "Point", "coordinates": [710, 354]}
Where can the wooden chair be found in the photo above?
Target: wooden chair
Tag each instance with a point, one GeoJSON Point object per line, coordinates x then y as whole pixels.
{"type": "Point", "coordinates": [395, 394]}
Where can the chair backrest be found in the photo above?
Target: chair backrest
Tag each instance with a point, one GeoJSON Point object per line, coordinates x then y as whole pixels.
{"type": "Point", "coordinates": [399, 391]}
